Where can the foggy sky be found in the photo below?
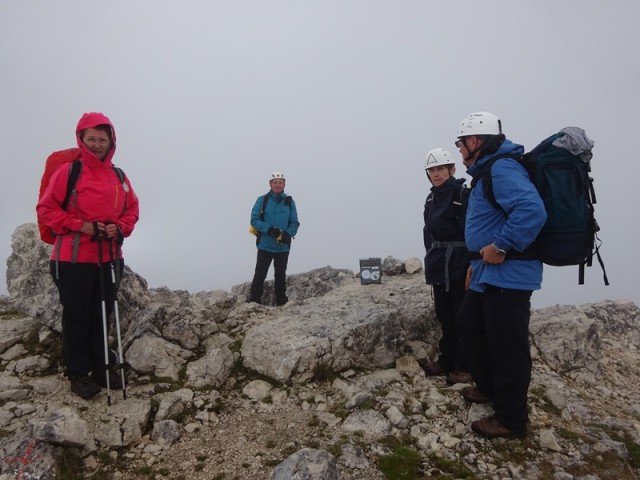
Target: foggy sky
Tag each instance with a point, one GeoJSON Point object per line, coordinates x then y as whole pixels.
{"type": "Point", "coordinates": [345, 97]}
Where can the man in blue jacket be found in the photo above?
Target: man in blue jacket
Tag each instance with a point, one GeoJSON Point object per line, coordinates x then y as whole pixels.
{"type": "Point", "coordinates": [274, 218]}
{"type": "Point", "coordinates": [502, 275]}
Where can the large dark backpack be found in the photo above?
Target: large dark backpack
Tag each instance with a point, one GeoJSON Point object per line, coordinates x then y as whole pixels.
{"type": "Point", "coordinates": [560, 169]}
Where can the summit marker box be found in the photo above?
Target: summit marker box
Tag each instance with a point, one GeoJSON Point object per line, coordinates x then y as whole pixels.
{"type": "Point", "coordinates": [370, 271]}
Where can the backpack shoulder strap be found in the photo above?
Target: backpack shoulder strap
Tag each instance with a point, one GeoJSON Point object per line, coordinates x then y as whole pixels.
{"type": "Point", "coordinates": [122, 177]}
{"type": "Point", "coordinates": [265, 199]}
{"type": "Point", "coordinates": [487, 180]}
{"type": "Point", "coordinates": [74, 173]}
{"type": "Point", "coordinates": [120, 173]}
{"type": "Point", "coordinates": [463, 195]}
{"type": "Point", "coordinates": [287, 200]}
{"type": "Point", "coordinates": [460, 203]}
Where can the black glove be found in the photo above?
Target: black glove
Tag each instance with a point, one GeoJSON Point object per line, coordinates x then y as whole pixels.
{"type": "Point", "coordinates": [286, 238]}
{"type": "Point", "coordinates": [274, 232]}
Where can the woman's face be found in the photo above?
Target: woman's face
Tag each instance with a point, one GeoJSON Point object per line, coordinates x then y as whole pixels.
{"type": "Point", "coordinates": [97, 141]}
{"type": "Point", "coordinates": [277, 185]}
{"type": "Point", "coordinates": [438, 175]}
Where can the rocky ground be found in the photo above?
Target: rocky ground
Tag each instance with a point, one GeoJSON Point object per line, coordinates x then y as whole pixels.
{"type": "Point", "coordinates": [248, 438]}
{"type": "Point", "coordinates": [243, 430]}
{"type": "Point", "coordinates": [222, 389]}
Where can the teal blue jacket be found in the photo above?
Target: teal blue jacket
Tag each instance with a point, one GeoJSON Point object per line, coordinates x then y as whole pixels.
{"type": "Point", "coordinates": [276, 214]}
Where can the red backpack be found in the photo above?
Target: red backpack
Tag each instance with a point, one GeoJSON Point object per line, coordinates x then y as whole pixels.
{"type": "Point", "coordinates": [55, 160]}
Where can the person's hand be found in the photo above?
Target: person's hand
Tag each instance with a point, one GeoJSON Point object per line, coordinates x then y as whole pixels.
{"type": "Point", "coordinates": [286, 238]}
{"type": "Point", "coordinates": [274, 232]}
{"type": "Point", "coordinates": [111, 230]}
{"type": "Point", "coordinates": [88, 229]}
{"type": "Point", "coordinates": [490, 255]}
{"type": "Point", "coordinates": [101, 230]}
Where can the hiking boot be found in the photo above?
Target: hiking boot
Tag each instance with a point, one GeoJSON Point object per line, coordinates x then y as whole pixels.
{"type": "Point", "coordinates": [473, 395]}
{"type": "Point", "coordinates": [281, 301]}
{"type": "Point", "coordinates": [490, 427]}
{"type": "Point", "coordinates": [431, 369]}
{"type": "Point", "coordinates": [115, 380]}
{"type": "Point", "coordinates": [458, 376]}
{"type": "Point", "coordinates": [84, 386]}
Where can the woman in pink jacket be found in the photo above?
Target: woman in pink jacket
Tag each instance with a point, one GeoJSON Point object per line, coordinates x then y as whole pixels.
{"type": "Point", "coordinates": [100, 212]}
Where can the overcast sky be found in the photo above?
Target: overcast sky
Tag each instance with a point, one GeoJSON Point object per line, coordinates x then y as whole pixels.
{"type": "Point", "coordinates": [345, 97]}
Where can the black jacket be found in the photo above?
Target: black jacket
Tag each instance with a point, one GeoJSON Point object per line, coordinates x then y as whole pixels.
{"type": "Point", "coordinates": [444, 210]}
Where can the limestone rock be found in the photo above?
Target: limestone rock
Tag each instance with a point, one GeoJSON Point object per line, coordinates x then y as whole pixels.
{"type": "Point", "coordinates": [14, 330]}
{"type": "Point", "coordinates": [392, 266]}
{"type": "Point", "coordinates": [369, 422]}
{"type": "Point", "coordinates": [64, 427]}
{"type": "Point", "coordinates": [151, 354]}
{"type": "Point", "coordinates": [343, 329]}
{"type": "Point", "coordinates": [166, 432]}
{"type": "Point", "coordinates": [307, 464]}
{"type": "Point", "coordinates": [413, 265]}
{"type": "Point", "coordinates": [211, 370]}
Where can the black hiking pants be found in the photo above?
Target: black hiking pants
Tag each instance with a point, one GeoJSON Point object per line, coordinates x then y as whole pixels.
{"type": "Point", "coordinates": [500, 351]}
{"type": "Point", "coordinates": [280, 260]}
{"type": "Point", "coordinates": [82, 327]}
{"type": "Point", "coordinates": [447, 305]}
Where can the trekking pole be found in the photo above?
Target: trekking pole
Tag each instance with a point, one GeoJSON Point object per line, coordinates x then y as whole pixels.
{"type": "Point", "coordinates": [104, 314]}
{"type": "Point", "coordinates": [121, 363]}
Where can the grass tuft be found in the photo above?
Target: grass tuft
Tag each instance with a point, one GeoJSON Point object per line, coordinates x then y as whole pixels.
{"type": "Point", "coordinates": [402, 463]}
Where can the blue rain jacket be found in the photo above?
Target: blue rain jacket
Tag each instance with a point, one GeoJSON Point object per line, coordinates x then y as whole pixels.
{"type": "Point", "coordinates": [276, 214]}
{"type": "Point", "coordinates": [525, 217]}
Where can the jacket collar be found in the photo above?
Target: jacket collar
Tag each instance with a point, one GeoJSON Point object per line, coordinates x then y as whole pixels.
{"type": "Point", "coordinates": [507, 148]}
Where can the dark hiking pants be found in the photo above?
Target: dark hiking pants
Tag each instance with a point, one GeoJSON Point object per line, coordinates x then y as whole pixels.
{"type": "Point", "coordinates": [263, 262]}
{"type": "Point", "coordinates": [82, 327]}
{"type": "Point", "coordinates": [500, 351]}
{"type": "Point", "coordinates": [447, 305]}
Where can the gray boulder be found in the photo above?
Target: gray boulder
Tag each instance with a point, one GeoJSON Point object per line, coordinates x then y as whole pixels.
{"type": "Point", "coordinates": [307, 464]}
{"type": "Point", "coordinates": [353, 327]}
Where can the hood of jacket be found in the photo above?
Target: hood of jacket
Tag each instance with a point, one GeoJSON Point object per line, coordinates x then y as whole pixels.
{"type": "Point", "coordinates": [92, 120]}
{"type": "Point", "coordinates": [507, 148]}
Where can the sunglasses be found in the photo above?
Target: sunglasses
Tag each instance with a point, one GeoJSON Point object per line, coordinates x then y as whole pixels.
{"type": "Point", "coordinates": [458, 143]}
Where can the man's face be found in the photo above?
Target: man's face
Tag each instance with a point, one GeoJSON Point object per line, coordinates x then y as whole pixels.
{"type": "Point", "coordinates": [277, 185]}
{"type": "Point", "coordinates": [466, 145]}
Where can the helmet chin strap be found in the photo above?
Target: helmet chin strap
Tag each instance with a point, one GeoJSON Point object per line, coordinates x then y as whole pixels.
{"type": "Point", "coordinates": [428, 177]}
{"type": "Point", "coordinates": [470, 153]}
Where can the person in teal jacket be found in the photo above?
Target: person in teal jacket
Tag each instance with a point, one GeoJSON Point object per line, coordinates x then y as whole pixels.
{"type": "Point", "coordinates": [502, 275]}
{"type": "Point", "coordinates": [274, 218]}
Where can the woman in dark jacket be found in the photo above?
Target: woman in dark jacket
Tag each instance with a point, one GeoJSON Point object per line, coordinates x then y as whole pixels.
{"type": "Point", "coordinates": [446, 261]}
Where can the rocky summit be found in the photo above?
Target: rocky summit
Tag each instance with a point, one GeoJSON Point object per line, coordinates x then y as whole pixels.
{"type": "Point", "coordinates": [327, 387]}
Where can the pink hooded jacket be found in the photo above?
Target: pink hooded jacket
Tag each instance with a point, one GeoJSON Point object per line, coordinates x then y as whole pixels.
{"type": "Point", "coordinates": [99, 197]}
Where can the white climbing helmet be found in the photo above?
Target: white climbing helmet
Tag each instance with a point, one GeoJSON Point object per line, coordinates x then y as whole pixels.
{"type": "Point", "coordinates": [275, 175]}
{"type": "Point", "coordinates": [480, 123]}
{"type": "Point", "coordinates": [438, 156]}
